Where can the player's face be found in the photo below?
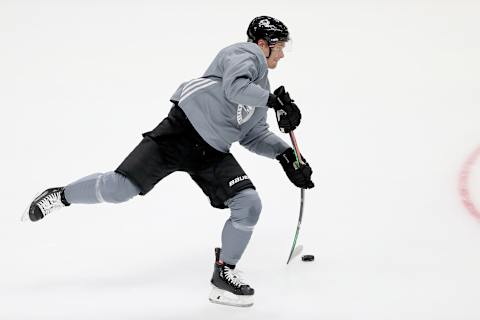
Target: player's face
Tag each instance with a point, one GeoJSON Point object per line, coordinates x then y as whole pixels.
{"type": "Point", "coordinates": [276, 54]}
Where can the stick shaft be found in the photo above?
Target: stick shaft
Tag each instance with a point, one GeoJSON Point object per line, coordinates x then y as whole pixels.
{"type": "Point", "coordinates": [295, 146]}
{"type": "Point", "coordinates": [302, 196]}
{"type": "Point", "coordinates": [300, 216]}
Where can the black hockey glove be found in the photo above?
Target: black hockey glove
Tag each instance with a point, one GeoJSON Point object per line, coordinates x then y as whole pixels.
{"type": "Point", "coordinates": [299, 174]}
{"type": "Point", "coordinates": [288, 114]}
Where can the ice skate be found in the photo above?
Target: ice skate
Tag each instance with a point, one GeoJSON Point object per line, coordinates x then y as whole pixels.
{"type": "Point", "coordinates": [228, 287]}
{"type": "Point", "coordinates": [48, 201]}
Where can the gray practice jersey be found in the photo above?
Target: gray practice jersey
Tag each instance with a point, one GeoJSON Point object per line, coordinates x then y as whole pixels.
{"type": "Point", "coordinates": [228, 103]}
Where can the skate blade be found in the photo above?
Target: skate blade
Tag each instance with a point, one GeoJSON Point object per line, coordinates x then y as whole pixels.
{"type": "Point", "coordinates": [26, 215]}
{"type": "Point", "coordinates": [224, 297]}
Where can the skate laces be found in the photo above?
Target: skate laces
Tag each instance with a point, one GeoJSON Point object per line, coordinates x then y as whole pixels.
{"type": "Point", "coordinates": [50, 203]}
{"type": "Point", "coordinates": [234, 276]}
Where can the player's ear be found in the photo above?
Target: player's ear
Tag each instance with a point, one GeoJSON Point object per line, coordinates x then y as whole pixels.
{"type": "Point", "coordinates": [262, 43]}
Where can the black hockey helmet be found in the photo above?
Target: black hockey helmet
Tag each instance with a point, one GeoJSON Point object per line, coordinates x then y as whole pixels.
{"type": "Point", "coordinates": [268, 28]}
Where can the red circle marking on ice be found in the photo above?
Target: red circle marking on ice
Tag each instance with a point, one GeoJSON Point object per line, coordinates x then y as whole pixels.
{"type": "Point", "coordinates": [463, 186]}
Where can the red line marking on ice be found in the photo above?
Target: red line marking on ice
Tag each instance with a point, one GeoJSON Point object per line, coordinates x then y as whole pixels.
{"type": "Point", "coordinates": [463, 187]}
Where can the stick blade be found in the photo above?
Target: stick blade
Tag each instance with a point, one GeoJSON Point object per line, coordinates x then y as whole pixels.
{"type": "Point", "coordinates": [296, 252]}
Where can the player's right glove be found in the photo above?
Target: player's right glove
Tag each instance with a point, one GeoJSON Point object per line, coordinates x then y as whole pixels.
{"type": "Point", "coordinates": [288, 114]}
{"type": "Point", "coordinates": [299, 174]}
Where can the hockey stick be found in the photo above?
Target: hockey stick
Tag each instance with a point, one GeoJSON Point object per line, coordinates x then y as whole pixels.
{"type": "Point", "coordinates": [294, 251]}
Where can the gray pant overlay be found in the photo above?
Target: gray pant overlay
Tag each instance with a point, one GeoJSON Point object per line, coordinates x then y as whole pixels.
{"type": "Point", "coordinates": [113, 187]}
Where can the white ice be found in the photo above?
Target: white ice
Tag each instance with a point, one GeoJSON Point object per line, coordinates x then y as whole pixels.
{"type": "Point", "coordinates": [390, 95]}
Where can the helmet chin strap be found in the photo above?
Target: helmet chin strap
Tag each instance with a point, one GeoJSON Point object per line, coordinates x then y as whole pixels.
{"type": "Point", "coordinates": [269, 51]}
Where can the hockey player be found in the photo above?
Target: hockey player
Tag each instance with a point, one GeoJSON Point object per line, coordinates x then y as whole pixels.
{"type": "Point", "coordinates": [228, 103]}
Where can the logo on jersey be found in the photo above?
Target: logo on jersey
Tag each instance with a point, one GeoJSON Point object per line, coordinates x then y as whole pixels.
{"type": "Point", "coordinates": [244, 113]}
{"type": "Point", "coordinates": [237, 180]}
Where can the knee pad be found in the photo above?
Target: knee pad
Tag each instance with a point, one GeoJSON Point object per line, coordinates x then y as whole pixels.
{"type": "Point", "coordinates": [246, 207]}
{"type": "Point", "coordinates": [115, 188]}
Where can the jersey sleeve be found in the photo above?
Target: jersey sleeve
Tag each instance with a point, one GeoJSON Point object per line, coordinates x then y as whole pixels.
{"type": "Point", "coordinates": [262, 141]}
{"type": "Point", "coordinates": [240, 72]}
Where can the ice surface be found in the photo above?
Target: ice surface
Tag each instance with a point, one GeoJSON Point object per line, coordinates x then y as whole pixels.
{"type": "Point", "coordinates": [390, 95]}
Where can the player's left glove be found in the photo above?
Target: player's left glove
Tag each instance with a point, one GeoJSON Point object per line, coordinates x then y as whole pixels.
{"type": "Point", "coordinates": [288, 114]}
{"type": "Point", "coordinates": [299, 174]}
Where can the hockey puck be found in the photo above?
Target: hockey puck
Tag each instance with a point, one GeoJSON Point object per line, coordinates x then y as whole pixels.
{"type": "Point", "coordinates": [308, 257]}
